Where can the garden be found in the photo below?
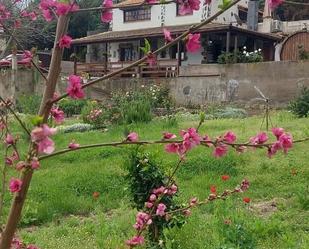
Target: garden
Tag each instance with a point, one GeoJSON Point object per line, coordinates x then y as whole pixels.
{"type": "Point", "coordinates": [135, 170]}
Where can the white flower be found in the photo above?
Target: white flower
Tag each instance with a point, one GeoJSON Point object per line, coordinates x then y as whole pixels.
{"type": "Point", "coordinates": [259, 50]}
{"type": "Point", "coordinates": [255, 51]}
{"type": "Point", "coordinates": [245, 47]}
{"type": "Point", "coordinates": [244, 52]}
{"type": "Point", "coordinates": [142, 86]}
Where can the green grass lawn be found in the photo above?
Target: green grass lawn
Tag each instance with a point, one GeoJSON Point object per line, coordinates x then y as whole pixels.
{"type": "Point", "coordinates": [60, 211]}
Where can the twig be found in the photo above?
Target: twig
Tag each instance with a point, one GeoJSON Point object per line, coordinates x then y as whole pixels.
{"type": "Point", "coordinates": [21, 46]}
{"type": "Point", "coordinates": [16, 116]}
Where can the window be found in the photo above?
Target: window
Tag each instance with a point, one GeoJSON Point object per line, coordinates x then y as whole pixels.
{"type": "Point", "coordinates": [137, 14]}
{"type": "Point", "coordinates": [178, 8]}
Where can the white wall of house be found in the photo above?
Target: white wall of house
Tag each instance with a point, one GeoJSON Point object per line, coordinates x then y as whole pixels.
{"type": "Point", "coordinates": [171, 17]}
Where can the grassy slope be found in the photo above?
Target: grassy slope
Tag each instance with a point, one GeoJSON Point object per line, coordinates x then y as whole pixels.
{"type": "Point", "coordinates": [61, 206]}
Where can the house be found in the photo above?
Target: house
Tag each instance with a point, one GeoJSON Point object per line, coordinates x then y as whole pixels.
{"type": "Point", "coordinates": [133, 22]}
{"type": "Point", "coordinates": [295, 33]}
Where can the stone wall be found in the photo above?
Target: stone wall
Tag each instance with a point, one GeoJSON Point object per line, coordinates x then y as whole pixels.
{"type": "Point", "coordinates": [196, 85]}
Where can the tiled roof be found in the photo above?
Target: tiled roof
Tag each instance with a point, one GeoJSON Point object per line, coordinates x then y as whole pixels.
{"type": "Point", "coordinates": [158, 32]}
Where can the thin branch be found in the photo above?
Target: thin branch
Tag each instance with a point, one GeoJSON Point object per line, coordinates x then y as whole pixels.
{"type": "Point", "coordinates": [16, 116]}
{"type": "Point", "coordinates": [21, 46]}
{"type": "Point", "coordinates": [115, 144]}
{"type": "Point", "coordinates": [140, 61]}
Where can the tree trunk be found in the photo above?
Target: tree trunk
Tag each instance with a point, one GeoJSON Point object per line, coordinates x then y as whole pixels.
{"type": "Point", "coordinates": [26, 176]}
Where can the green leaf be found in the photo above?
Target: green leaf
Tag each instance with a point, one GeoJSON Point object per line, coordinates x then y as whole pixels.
{"type": "Point", "coordinates": [37, 120]}
{"type": "Point", "coordinates": [225, 4]}
{"type": "Point", "coordinates": [147, 47]}
{"type": "Point", "coordinates": [202, 117]}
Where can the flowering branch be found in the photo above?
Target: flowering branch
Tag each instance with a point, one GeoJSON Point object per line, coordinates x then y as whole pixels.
{"type": "Point", "coordinates": [116, 144]}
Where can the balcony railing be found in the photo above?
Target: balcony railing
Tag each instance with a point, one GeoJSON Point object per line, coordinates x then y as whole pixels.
{"type": "Point", "coordinates": [163, 68]}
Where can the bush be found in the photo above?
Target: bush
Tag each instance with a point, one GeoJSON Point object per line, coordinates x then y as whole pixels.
{"type": "Point", "coordinates": [72, 107]}
{"type": "Point", "coordinates": [300, 106]}
{"type": "Point", "coordinates": [28, 104]}
{"type": "Point", "coordinates": [241, 57]}
{"type": "Point", "coordinates": [93, 113]}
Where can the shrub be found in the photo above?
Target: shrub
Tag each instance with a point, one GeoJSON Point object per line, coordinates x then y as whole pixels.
{"type": "Point", "coordinates": [28, 104]}
{"type": "Point", "coordinates": [300, 106]}
{"type": "Point", "coordinates": [78, 127]}
{"type": "Point", "coordinates": [72, 107]}
{"type": "Point", "coordinates": [94, 113]}
{"type": "Point", "coordinates": [241, 57]}
{"type": "Point", "coordinates": [144, 175]}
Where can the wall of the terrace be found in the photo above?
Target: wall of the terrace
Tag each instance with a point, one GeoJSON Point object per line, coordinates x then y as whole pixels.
{"type": "Point", "coordinates": [198, 84]}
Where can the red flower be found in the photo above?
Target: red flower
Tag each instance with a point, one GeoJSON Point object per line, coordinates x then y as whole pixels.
{"type": "Point", "coordinates": [213, 189]}
{"type": "Point", "coordinates": [246, 200]}
{"type": "Point", "coordinates": [225, 177]}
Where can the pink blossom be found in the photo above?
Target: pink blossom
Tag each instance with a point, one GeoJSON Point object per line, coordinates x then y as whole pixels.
{"type": "Point", "coordinates": [151, 59]}
{"type": "Point", "coordinates": [152, 198]}
{"type": "Point", "coordinates": [172, 148]}
{"type": "Point", "coordinates": [286, 141]}
{"type": "Point", "coordinates": [245, 184]}
{"type": "Point", "coordinates": [142, 219]}
{"type": "Point", "coordinates": [46, 146]}
{"type": "Point", "coordinates": [32, 16]}
{"type": "Point", "coordinates": [148, 204]}
{"type": "Point", "coordinates": [151, 1]}
{"type": "Point", "coordinates": [167, 35]}
{"type": "Point", "coordinates": [47, 14]}
{"type": "Point", "coordinates": [135, 241]}
{"type": "Point", "coordinates": [15, 185]}
{"type": "Point", "coordinates": [57, 114]}
{"type": "Point", "coordinates": [9, 140]}
{"type": "Point", "coordinates": [107, 14]}
{"type": "Point", "coordinates": [167, 135]}
{"type": "Point", "coordinates": [74, 88]}
{"type": "Point", "coordinates": [16, 243]}
{"type": "Point", "coordinates": [208, 141]}
{"type": "Point", "coordinates": [220, 150]}
{"type": "Point", "coordinates": [172, 190]}
{"type": "Point", "coordinates": [65, 41]}
{"type": "Point", "coordinates": [208, 1]}
{"type": "Point", "coordinates": [186, 212]}
{"type": "Point", "coordinates": [46, 4]}
{"type": "Point", "coordinates": [259, 138]}
{"type": "Point", "coordinates": [40, 135]}
{"type": "Point", "coordinates": [274, 148]}
{"type": "Point", "coordinates": [161, 210]}
{"type": "Point", "coordinates": [193, 43]}
{"type": "Point", "coordinates": [191, 138]}
{"type": "Point", "coordinates": [277, 132]}
{"type": "Point", "coordinates": [8, 161]}
{"type": "Point", "coordinates": [159, 191]}
{"type": "Point", "coordinates": [193, 202]}
{"type": "Point", "coordinates": [42, 132]}
{"type": "Point", "coordinates": [187, 6]}
{"type": "Point", "coordinates": [62, 8]}
{"type": "Point", "coordinates": [274, 3]}
{"type": "Point", "coordinates": [73, 145]}
{"type": "Point", "coordinates": [132, 137]}
{"type": "Point", "coordinates": [229, 137]}
{"type": "Point", "coordinates": [35, 163]}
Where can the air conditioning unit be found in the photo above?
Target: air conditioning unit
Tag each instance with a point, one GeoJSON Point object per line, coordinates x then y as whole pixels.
{"type": "Point", "coordinates": [276, 26]}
